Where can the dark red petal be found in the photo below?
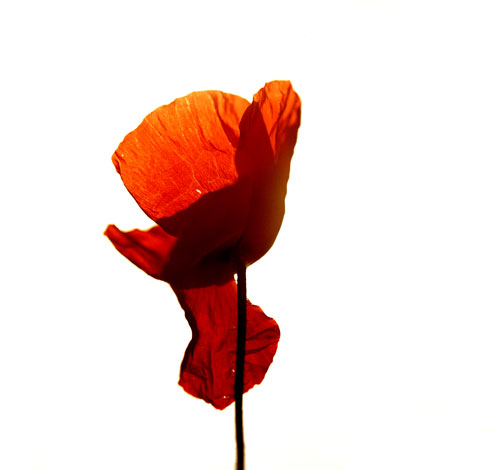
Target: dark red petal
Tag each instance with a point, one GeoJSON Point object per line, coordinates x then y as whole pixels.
{"type": "Point", "coordinates": [207, 371]}
{"type": "Point", "coordinates": [149, 250]}
{"type": "Point", "coordinates": [268, 135]}
{"type": "Point", "coordinates": [208, 230]}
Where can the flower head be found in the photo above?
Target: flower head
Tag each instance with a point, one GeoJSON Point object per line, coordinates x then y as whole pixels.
{"type": "Point", "coordinates": [211, 170]}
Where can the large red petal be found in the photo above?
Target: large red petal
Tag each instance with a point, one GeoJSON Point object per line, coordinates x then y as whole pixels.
{"type": "Point", "coordinates": [179, 165]}
{"type": "Point", "coordinates": [268, 135]}
{"type": "Point", "coordinates": [182, 151]}
{"type": "Point", "coordinates": [207, 371]}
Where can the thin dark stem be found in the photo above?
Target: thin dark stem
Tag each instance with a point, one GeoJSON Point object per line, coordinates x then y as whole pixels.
{"type": "Point", "coordinates": [240, 365]}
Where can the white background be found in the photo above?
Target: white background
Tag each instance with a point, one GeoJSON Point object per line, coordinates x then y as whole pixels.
{"type": "Point", "coordinates": [384, 278]}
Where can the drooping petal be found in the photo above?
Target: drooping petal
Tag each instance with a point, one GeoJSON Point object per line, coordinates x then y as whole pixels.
{"type": "Point", "coordinates": [179, 165]}
{"type": "Point", "coordinates": [207, 371]}
{"type": "Point", "coordinates": [149, 250]}
{"type": "Point", "coordinates": [268, 135]}
{"type": "Point", "coordinates": [152, 250]}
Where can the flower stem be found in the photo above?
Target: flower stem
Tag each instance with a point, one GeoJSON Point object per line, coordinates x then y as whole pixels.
{"type": "Point", "coordinates": [240, 365]}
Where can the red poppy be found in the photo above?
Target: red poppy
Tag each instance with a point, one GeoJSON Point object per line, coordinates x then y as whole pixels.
{"type": "Point", "coordinates": [211, 170]}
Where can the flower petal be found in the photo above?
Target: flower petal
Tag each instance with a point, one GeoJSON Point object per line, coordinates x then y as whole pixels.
{"type": "Point", "coordinates": [181, 151]}
{"type": "Point", "coordinates": [209, 361]}
{"type": "Point", "coordinates": [152, 251]}
{"type": "Point", "coordinates": [207, 371]}
{"type": "Point", "coordinates": [208, 230]}
{"type": "Point", "coordinates": [149, 250]}
{"type": "Point", "coordinates": [268, 135]}
{"type": "Point", "coordinates": [179, 165]}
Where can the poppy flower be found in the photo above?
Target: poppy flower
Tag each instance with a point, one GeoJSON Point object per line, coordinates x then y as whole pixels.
{"type": "Point", "coordinates": [211, 170]}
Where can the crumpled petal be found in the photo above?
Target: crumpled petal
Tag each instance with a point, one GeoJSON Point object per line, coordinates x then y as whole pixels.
{"type": "Point", "coordinates": [207, 371]}
{"type": "Point", "coordinates": [268, 135]}
{"type": "Point", "coordinates": [209, 361]}
{"type": "Point", "coordinates": [179, 165]}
